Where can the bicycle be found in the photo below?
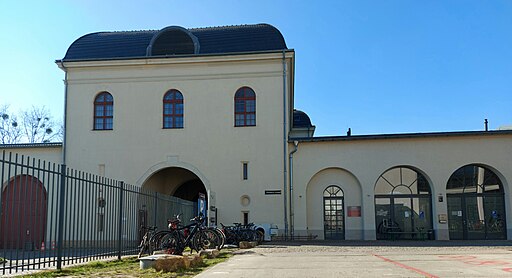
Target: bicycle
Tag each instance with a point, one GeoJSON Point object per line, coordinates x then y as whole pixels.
{"type": "Point", "coordinates": [145, 243]}
{"type": "Point", "coordinates": [195, 236]}
{"type": "Point", "coordinates": [238, 232]}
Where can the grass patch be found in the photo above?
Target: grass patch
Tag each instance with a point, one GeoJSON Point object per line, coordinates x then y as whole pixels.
{"type": "Point", "coordinates": [128, 267]}
{"type": "Point", "coordinates": [2, 260]}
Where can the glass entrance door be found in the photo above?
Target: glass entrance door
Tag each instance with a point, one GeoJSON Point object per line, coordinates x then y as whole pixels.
{"type": "Point", "coordinates": [476, 204]}
{"type": "Point", "coordinates": [473, 217]}
{"type": "Point", "coordinates": [495, 217]}
{"type": "Point", "coordinates": [403, 216]}
{"type": "Point", "coordinates": [455, 220]}
{"type": "Point", "coordinates": [334, 215]}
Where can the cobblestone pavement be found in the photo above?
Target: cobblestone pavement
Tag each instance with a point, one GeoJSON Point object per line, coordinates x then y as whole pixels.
{"type": "Point", "coordinates": [370, 259]}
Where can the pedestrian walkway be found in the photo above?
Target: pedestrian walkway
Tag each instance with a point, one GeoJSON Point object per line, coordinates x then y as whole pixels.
{"type": "Point", "coordinates": [370, 259]}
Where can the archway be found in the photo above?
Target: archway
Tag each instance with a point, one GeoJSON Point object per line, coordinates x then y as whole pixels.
{"type": "Point", "coordinates": [23, 220]}
{"type": "Point", "coordinates": [176, 181]}
{"type": "Point", "coordinates": [169, 181]}
{"type": "Point", "coordinates": [403, 205]}
{"type": "Point", "coordinates": [333, 205]}
{"type": "Point", "coordinates": [476, 204]}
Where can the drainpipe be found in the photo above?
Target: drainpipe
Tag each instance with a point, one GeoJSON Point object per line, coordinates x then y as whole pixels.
{"type": "Point", "coordinates": [285, 144]}
{"type": "Point", "coordinates": [65, 112]}
{"type": "Point", "coordinates": [292, 213]}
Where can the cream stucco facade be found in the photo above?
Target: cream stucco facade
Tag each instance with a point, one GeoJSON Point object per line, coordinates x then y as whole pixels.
{"type": "Point", "coordinates": [209, 145]}
{"type": "Point", "coordinates": [355, 164]}
{"type": "Point", "coordinates": [288, 169]}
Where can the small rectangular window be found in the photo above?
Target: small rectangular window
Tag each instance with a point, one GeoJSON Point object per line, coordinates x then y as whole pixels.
{"type": "Point", "coordinates": [245, 170]}
{"type": "Point", "coordinates": [246, 217]}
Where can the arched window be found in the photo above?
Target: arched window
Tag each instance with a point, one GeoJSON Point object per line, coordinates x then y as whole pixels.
{"type": "Point", "coordinates": [476, 204]}
{"type": "Point", "coordinates": [334, 213]}
{"type": "Point", "coordinates": [474, 179]}
{"type": "Point", "coordinates": [103, 111]}
{"type": "Point", "coordinates": [403, 205]}
{"type": "Point", "coordinates": [245, 107]}
{"type": "Point", "coordinates": [173, 109]}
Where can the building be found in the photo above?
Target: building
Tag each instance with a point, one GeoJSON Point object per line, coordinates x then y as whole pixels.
{"type": "Point", "coordinates": [210, 111]}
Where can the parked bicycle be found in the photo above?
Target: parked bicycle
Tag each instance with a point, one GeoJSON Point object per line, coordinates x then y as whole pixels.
{"type": "Point", "coordinates": [239, 232]}
{"type": "Point", "coordinates": [145, 243]}
{"type": "Point", "coordinates": [196, 236]}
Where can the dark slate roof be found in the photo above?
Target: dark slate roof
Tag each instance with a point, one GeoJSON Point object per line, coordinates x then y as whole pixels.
{"type": "Point", "coordinates": [301, 119]}
{"type": "Point", "coordinates": [212, 40]}
{"type": "Point", "coordinates": [404, 136]}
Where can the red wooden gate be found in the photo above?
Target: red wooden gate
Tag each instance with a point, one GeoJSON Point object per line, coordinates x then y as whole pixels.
{"type": "Point", "coordinates": [23, 219]}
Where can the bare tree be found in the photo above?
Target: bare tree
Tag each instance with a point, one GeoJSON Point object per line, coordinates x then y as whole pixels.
{"type": "Point", "coordinates": [10, 130]}
{"type": "Point", "coordinates": [38, 125]}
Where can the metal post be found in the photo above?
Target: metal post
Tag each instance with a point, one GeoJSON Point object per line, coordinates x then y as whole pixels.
{"type": "Point", "coordinates": [285, 152]}
{"type": "Point", "coordinates": [156, 208]}
{"type": "Point", "coordinates": [120, 223]}
{"type": "Point", "coordinates": [61, 215]}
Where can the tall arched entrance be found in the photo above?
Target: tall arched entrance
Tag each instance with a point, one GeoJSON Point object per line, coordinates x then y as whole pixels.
{"type": "Point", "coordinates": [476, 204]}
{"type": "Point", "coordinates": [333, 205]}
{"type": "Point", "coordinates": [403, 205]}
{"type": "Point", "coordinates": [178, 182]}
{"type": "Point", "coordinates": [334, 213]}
{"type": "Point", "coordinates": [23, 214]}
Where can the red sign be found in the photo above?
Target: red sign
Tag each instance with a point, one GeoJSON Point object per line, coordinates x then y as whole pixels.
{"type": "Point", "coordinates": [354, 211]}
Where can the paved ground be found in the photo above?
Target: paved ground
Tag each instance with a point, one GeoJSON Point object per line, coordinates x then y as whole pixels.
{"type": "Point", "coordinates": [370, 259]}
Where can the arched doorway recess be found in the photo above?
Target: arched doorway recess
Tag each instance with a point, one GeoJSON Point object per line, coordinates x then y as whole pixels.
{"type": "Point", "coordinates": [176, 181]}
{"type": "Point", "coordinates": [170, 181]}
{"type": "Point", "coordinates": [403, 204]}
{"type": "Point", "coordinates": [331, 194]}
{"type": "Point", "coordinates": [476, 204]}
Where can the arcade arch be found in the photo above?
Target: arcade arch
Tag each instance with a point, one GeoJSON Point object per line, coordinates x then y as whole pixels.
{"type": "Point", "coordinates": [476, 204]}
{"type": "Point", "coordinates": [403, 209]}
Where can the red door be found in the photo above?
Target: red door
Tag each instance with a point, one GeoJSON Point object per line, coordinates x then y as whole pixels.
{"type": "Point", "coordinates": [23, 219]}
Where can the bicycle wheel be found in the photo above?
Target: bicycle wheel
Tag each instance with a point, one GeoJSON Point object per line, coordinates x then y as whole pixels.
{"type": "Point", "coordinates": [143, 247]}
{"type": "Point", "coordinates": [260, 237]}
{"type": "Point", "coordinates": [155, 241]}
{"type": "Point", "coordinates": [221, 236]}
{"type": "Point", "coordinates": [206, 239]}
{"type": "Point", "coordinates": [170, 243]}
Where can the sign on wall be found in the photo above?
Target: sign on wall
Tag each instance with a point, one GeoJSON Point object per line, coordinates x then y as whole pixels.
{"type": "Point", "coordinates": [201, 204]}
{"type": "Point", "coordinates": [354, 211]}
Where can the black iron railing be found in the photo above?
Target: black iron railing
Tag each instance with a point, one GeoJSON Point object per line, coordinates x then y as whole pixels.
{"type": "Point", "coordinates": [53, 216]}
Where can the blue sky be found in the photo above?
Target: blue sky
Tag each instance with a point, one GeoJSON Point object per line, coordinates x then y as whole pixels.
{"type": "Point", "coordinates": [374, 66]}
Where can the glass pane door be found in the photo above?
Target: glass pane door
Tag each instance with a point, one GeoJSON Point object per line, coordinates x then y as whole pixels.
{"type": "Point", "coordinates": [334, 226]}
{"type": "Point", "coordinates": [382, 216]}
{"type": "Point", "coordinates": [402, 213]}
{"type": "Point", "coordinates": [455, 220]}
{"type": "Point", "coordinates": [495, 217]}
{"type": "Point", "coordinates": [475, 218]}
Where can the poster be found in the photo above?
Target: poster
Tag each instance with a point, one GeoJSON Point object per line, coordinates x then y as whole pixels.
{"type": "Point", "coordinates": [201, 205]}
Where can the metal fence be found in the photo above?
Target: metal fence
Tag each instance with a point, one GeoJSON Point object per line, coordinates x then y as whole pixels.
{"type": "Point", "coordinates": [53, 216]}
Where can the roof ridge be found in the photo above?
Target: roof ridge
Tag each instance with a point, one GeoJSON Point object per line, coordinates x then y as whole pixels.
{"type": "Point", "coordinates": [130, 31]}
{"type": "Point", "coordinates": [227, 26]}
{"type": "Point", "coordinates": [190, 29]}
